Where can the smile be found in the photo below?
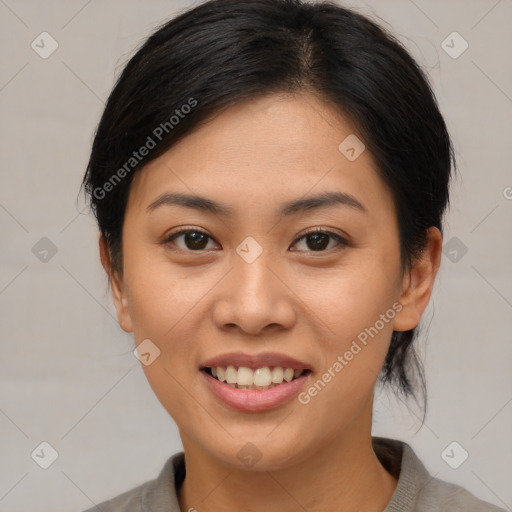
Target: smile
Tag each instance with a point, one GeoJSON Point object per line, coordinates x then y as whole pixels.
{"type": "Point", "coordinates": [253, 398]}
{"type": "Point", "coordinates": [263, 378]}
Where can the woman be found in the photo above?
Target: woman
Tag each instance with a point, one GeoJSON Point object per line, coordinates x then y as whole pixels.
{"type": "Point", "coordinates": [269, 180]}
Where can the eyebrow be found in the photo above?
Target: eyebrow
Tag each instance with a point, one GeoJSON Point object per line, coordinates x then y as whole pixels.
{"type": "Point", "coordinates": [323, 200]}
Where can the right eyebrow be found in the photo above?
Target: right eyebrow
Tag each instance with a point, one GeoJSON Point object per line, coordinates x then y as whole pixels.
{"type": "Point", "coordinates": [191, 201]}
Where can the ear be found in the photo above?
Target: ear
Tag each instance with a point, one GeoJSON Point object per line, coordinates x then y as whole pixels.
{"type": "Point", "coordinates": [418, 283]}
{"type": "Point", "coordinates": [117, 287]}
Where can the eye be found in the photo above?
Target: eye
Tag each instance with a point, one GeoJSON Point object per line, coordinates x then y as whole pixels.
{"type": "Point", "coordinates": [195, 240]}
{"type": "Point", "coordinates": [319, 240]}
{"type": "Point", "coordinates": [189, 240]}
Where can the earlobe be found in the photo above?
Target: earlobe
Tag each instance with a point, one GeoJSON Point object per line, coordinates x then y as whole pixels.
{"type": "Point", "coordinates": [117, 287]}
{"type": "Point", "coordinates": [419, 282]}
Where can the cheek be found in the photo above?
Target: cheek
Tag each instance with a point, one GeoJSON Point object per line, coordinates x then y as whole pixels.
{"type": "Point", "coordinates": [165, 303]}
{"type": "Point", "coordinates": [161, 307]}
{"type": "Point", "coordinates": [357, 305]}
{"type": "Point", "coordinates": [361, 318]}
{"type": "Point", "coordinates": [159, 295]}
{"type": "Point", "coordinates": [352, 297]}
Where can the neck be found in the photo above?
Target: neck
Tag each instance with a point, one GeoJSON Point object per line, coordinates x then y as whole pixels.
{"type": "Point", "coordinates": [345, 471]}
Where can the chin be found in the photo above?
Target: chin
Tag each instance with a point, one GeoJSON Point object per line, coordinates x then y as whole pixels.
{"type": "Point", "coordinates": [260, 452]}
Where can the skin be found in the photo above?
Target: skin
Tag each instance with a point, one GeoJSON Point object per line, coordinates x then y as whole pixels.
{"type": "Point", "coordinates": [293, 300]}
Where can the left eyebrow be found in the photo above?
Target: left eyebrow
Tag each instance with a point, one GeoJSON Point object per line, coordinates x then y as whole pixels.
{"type": "Point", "coordinates": [196, 202]}
{"type": "Point", "coordinates": [322, 200]}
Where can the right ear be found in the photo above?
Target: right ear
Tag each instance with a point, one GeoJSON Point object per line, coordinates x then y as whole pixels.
{"type": "Point", "coordinates": [117, 287]}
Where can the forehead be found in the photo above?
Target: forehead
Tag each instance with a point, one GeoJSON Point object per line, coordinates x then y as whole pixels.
{"type": "Point", "coordinates": [273, 148]}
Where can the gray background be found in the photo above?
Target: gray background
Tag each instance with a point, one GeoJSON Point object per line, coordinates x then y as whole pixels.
{"type": "Point", "coordinates": [67, 372]}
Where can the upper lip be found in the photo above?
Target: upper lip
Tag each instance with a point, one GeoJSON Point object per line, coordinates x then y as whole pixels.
{"type": "Point", "coordinates": [255, 361]}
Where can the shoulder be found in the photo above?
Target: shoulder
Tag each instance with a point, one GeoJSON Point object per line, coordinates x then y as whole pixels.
{"type": "Point", "coordinates": [445, 496]}
{"type": "Point", "coordinates": [129, 501]}
{"type": "Point", "coordinates": [157, 495]}
{"type": "Point", "coordinates": [417, 490]}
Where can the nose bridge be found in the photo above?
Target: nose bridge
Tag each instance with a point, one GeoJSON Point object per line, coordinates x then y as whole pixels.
{"type": "Point", "coordinates": [252, 280]}
{"type": "Point", "coordinates": [253, 296]}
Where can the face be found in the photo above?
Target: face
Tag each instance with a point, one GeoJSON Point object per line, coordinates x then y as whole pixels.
{"type": "Point", "coordinates": [291, 259]}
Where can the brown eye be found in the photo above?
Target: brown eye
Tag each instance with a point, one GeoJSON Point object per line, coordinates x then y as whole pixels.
{"type": "Point", "coordinates": [320, 241]}
{"type": "Point", "coordinates": [190, 239]}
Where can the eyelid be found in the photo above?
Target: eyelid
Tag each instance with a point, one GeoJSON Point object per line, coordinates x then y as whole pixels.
{"type": "Point", "coordinates": [323, 229]}
{"type": "Point", "coordinates": [185, 229]}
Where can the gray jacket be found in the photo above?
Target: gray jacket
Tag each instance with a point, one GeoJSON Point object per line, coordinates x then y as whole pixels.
{"type": "Point", "coordinates": [417, 490]}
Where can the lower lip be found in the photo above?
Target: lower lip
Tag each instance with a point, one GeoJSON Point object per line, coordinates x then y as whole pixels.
{"type": "Point", "coordinates": [254, 400]}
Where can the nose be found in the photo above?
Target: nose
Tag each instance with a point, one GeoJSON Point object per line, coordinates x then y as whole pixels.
{"type": "Point", "coordinates": [254, 298]}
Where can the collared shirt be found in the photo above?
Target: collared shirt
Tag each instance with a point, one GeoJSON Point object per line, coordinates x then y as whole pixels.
{"type": "Point", "coordinates": [417, 490]}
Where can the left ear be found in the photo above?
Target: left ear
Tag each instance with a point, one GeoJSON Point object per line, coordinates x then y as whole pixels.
{"type": "Point", "coordinates": [418, 283]}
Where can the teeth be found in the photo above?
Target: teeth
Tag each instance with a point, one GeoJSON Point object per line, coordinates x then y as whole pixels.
{"type": "Point", "coordinates": [288, 374]}
{"type": "Point", "coordinates": [244, 376]}
{"type": "Point", "coordinates": [231, 375]}
{"type": "Point", "coordinates": [261, 378]}
{"type": "Point", "coordinates": [277, 375]}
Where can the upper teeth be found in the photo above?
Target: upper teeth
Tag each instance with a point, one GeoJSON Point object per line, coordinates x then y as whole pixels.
{"type": "Point", "coordinates": [246, 378]}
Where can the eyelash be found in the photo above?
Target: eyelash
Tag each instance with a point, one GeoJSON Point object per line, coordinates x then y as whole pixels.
{"type": "Point", "coordinates": [341, 241]}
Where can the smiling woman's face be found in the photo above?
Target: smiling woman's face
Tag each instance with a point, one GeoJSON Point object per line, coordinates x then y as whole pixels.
{"type": "Point", "coordinates": [247, 286]}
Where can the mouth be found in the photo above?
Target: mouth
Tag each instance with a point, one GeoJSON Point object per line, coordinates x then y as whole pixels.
{"type": "Point", "coordinates": [255, 382]}
{"type": "Point", "coordinates": [243, 377]}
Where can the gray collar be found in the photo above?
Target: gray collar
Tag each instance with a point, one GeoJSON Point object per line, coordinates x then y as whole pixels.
{"type": "Point", "coordinates": [396, 456]}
